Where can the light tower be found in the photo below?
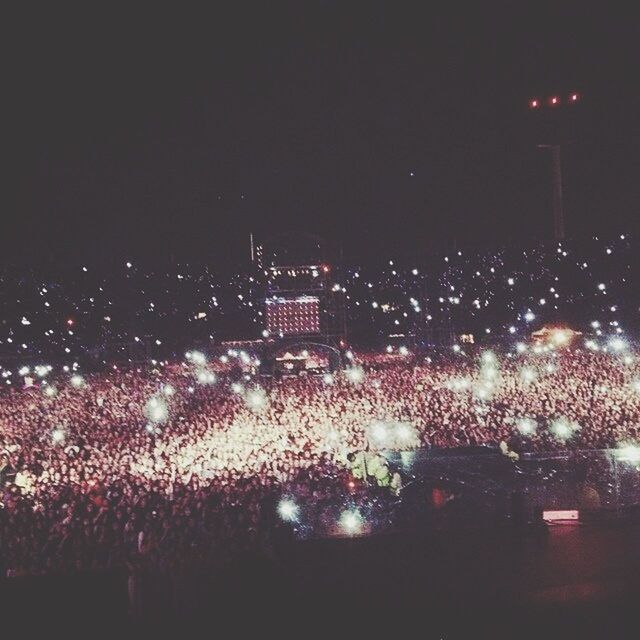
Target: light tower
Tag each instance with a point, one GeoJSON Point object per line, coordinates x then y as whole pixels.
{"type": "Point", "coordinates": [553, 103]}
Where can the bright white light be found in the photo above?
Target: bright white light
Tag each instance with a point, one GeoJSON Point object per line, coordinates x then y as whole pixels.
{"type": "Point", "coordinates": [168, 390]}
{"type": "Point", "coordinates": [529, 316]}
{"type": "Point", "coordinates": [617, 344]}
{"type": "Point", "coordinates": [405, 433]}
{"type": "Point", "coordinates": [528, 374]}
{"type": "Point", "coordinates": [156, 410]}
{"type": "Point", "coordinates": [379, 432]}
{"type": "Point", "coordinates": [256, 399]}
{"type": "Point", "coordinates": [57, 435]}
{"type": "Point", "coordinates": [354, 375]}
{"type": "Point", "coordinates": [42, 370]}
{"type": "Point", "coordinates": [456, 348]}
{"type": "Point", "coordinates": [560, 337]}
{"type": "Point", "coordinates": [351, 522]}
{"type": "Point", "coordinates": [488, 357]}
{"type": "Point", "coordinates": [205, 377]}
{"type": "Point", "coordinates": [288, 510]}
{"type": "Point", "coordinates": [629, 453]}
{"type": "Point", "coordinates": [77, 381]}
{"type": "Point", "coordinates": [236, 387]}
{"type": "Point", "coordinates": [198, 358]}
{"type": "Point", "coordinates": [602, 286]}
{"type": "Point", "coordinates": [23, 371]}
{"type": "Point", "coordinates": [489, 372]}
{"type": "Point", "coordinates": [527, 426]}
{"type": "Point", "coordinates": [49, 391]}
{"type": "Point", "coordinates": [458, 384]}
{"type": "Point", "coordinates": [483, 392]}
{"type": "Point", "coordinates": [521, 347]}
{"type": "Point", "coordinates": [563, 429]}
{"type": "Point", "coordinates": [403, 350]}
{"type": "Point", "coordinates": [327, 378]}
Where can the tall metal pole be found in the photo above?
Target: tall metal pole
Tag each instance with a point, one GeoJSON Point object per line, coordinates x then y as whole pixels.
{"type": "Point", "coordinates": [556, 185]}
{"type": "Point", "coordinates": [558, 212]}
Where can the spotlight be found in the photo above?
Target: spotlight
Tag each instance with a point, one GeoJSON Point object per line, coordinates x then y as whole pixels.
{"type": "Point", "coordinates": [288, 510]}
{"type": "Point", "coordinates": [351, 522]}
{"type": "Point", "coordinates": [629, 453]}
{"type": "Point", "coordinates": [77, 381]}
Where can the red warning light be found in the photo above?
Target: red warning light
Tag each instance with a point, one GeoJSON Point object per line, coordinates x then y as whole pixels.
{"type": "Point", "coordinates": [574, 97]}
{"type": "Point", "coordinates": [554, 100]}
{"type": "Point", "coordinates": [534, 104]}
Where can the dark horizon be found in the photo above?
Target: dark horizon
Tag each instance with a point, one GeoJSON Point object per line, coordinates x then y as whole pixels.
{"type": "Point", "coordinates": [378, 126]}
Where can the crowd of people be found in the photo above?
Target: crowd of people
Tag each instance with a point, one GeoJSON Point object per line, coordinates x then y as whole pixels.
{"type": "Point", "coordinates": [132, 310]}
{"type": "Point", "coordinates": [149, 458]}
{"type": "Point", "coordinates": [167, 466]}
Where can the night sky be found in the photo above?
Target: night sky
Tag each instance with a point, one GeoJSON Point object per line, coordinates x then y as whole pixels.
{"type": "Point", "coordinates": [385, 127]}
